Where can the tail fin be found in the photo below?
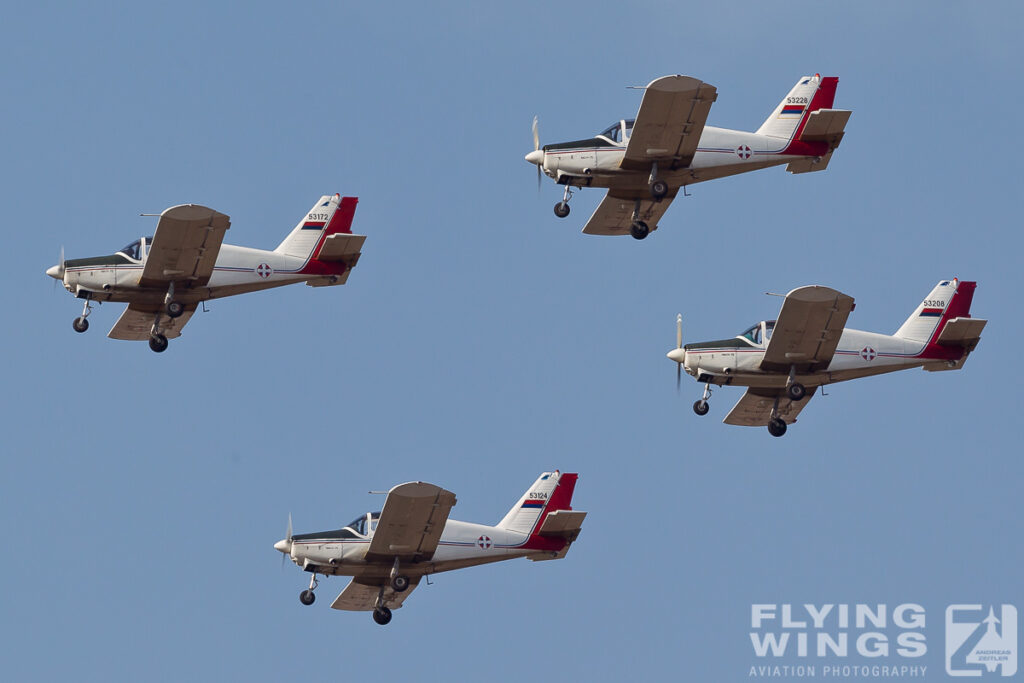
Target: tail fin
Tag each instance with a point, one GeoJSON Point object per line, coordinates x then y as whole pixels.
{"type": "Point", "coordinates": [810, 94]}
{"type": "Point", "coordinates": [950, 299]}
{"type": "Point", "coordinates": [330, 215]}
{"type": "Point", "coordinates": [551, 492]}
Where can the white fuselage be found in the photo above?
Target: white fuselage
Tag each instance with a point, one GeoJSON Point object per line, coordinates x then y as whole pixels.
{"type": "Point", "coordinates": [462, 544]}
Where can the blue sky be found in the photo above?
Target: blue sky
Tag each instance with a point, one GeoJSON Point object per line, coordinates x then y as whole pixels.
{"type": "Point", "coordinates": [481, 340]}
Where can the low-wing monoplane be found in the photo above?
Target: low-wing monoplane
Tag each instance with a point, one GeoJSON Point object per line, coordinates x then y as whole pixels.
{"type": "Point", "coordinates": [165, 277]}
{"type": "Point", "coordinates": [387, 553]}
{"type": "Point", "coordinates": [644, 162]}
{"type": "Point", "coordinates": [783, 361]}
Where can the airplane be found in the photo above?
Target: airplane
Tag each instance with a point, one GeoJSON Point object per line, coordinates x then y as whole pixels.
{"type": "Point", "coordinates": [165, 277]}
{"type": "Point", "coordinates": [783, 361]}
{"type": "Point", "coordinates": [387, 553]}
{"type": "Point", "coordinates": [644, 162]}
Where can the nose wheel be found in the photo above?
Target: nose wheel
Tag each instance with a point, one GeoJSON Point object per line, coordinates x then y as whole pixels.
{"type": "Point", "coordinates": [307, 597]}
{"type": "Point", "coordinates": [701, 406]}
{"type": "Point", "coordinates": [562, 207]}
{"type": "Point", "coordinates": [80, 324]}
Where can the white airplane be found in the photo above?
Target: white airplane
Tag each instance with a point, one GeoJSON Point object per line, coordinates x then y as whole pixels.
{"type": "Point", "coordinates": [784, 361]}
{"type": "Point", "coordinates": [388, 552]}
{"type": "Point", "coordinates": [645, 161]}
{"type": "Point", "coordinates": [165, 277]}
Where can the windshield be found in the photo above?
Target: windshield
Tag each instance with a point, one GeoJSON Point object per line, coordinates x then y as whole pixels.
{"type": "Point", "coordinates": [753, 334]}
{"type": "Point", "coordinates": [358, 524]}
{"type": "Point", "coordinates": [134, 250]}
{"type": "Point", "coordinates": [769, 325]}
{"type": "Point", "coordinates": [614, 131]}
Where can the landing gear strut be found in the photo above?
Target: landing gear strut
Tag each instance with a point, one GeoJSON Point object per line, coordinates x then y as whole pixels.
{"type": "Point", "coordinates": [399, 582]}
{"type": "Point", "coordinates": [80, 323]}
{"type": "Point", "coordinates": [307, 597]}
{"type": "Point", "coordinates": [171, 307]}
{"type": "Point", "coordinates": [562, 207]}
{"type": "Point", "coordinates": [701, 407]}
{"type": "Point", "coordinates": [776, 425]}
{"type": "Point", "coordinates": [794, 390]}
{"type": "Point", "coordinates": [157, 341]}
{"type": "Point", "coordinates": [659, 188]}
{"type": "Point", "coordinates": [638, 229]}
{"type": "Point", "coordinates": [382, 614]}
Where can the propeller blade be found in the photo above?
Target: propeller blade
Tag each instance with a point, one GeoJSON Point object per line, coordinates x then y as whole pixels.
{"type": "Point", "coordinates": [538, 179]}
{"type": "Point", "coordinates": [679, 330]}
{"type": "Point", "coordinates": [536, 135]}
{"type": "Point", "coordinates": [679, 375]}
{"type": "Point", "coordinates": [288, 535]}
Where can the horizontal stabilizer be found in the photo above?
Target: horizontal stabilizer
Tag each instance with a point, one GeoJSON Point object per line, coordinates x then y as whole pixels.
{"type": "Point", "coordinates": [809, 164]}
{"type": "Point", "coordinates": [563, 524]}
{"type": "Point", "coordinates": [341, 247]}
{"type": "Point", "coordinates": [964, 332]}
{"type": "Point", "coordinates": [826, 125]}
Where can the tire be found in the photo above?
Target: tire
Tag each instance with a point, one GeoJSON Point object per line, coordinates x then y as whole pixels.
{"type": "Point", "coordinates": [796, 391]}
{"type": "Point", "coordinates": [659, 188]}
{"type": "Point", "coordinates": [382, 615]}
{"type": "Point", "coordinates": [776, 427]}
{"type": "Point", "coordinates": [400, 583]}
{"type": "Point", "coordinates": [639, 230]}
{"type": "Point", "coordinates": [701, 407]}
{"type": "Point", "coordinates": [175, 309]}
{"type": "Point", "coordinates": [307, 597]}
{"type": "Point", "coordinates": [158, 343]}
{"type": "Point", "coordinates": [562, 209]}
{"type": "Point", "coordinates": [80, 324]}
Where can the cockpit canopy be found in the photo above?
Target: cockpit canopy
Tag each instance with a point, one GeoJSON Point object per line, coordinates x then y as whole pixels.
{"type": "Point", "coordinates": [619, 132]}
{"type": "Point", "coordinates": [760, 333]}
{"type": "Point", "coordinates": [364, 525]}
{"type": "Point", "coordinates": [135, 250]}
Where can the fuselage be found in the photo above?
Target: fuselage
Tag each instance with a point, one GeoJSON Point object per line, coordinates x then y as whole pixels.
{"type": "Point", "coordinates": [463, 544]}
{"type": "Point", "coordinates": [722, 152]}
{"type": "Point", "coordinates": [737, 361]}
{"type": "Point", "coordinates": [238, 270]}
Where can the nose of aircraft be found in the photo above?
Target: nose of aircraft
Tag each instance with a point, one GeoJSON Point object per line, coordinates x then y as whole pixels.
{"type": "Point", "coordinates": [56, 272]}
{"type": "Point", "coordinates": [677, 355]}
{"type": "Point", "coordinates": [284, 546]}
{"type": "Point", "coordinates": [536, 157]}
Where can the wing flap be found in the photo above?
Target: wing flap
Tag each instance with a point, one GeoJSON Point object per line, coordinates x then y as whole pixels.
{"type": "Point", "coordinates": [754, 409]}
{"type": "Point", "coordinates": [411, 522]}
{"type": "Point", "coordinates": [185, 246]}
{"type": "Point", "coordinates": [669, 123]}
{"type": "Point", "coordinates": [808, 329]}
{"type": "Point", "coordinates": [361, 596]}
{"type": "Point", "coordinates": [614, 215]}
{"type": "Point", "coordinates": [136, 323]}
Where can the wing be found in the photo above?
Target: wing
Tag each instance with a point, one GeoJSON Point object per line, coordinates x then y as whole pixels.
{"type": "Point", "coordinates": [668, 126]}
{"type": "Point", "coordinates": [614, 214]}
{"type": "Point", "coordinates": [361, 596]}
{"type": "Point", "coordinates": [136, 323]}
{"type": "Point", "coordinates": [411, 522]}
{"type": "Point", "coordinates": [808, 329]}
{"type": "Point", "coordinates": [755, 408]}
{"type": "Point", "coordinates": [185, 246]}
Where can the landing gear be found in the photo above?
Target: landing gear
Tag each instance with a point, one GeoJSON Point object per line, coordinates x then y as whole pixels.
{"type": "Point", "coordinates": [796, 391]}
{"type": "Point", "coordinates": [701, 407]}
{"type": "Point", "coordinates": [174, 309]}
{"type": "Point", "coordinates": [382, 615]}
{"type": "Point", "coordinates": [639, 230]}
{"type": "Point", "coordinates": [776, 426]}
{"type": "Point", "coordinates": [307, 597]}
{"type": "Point", "coordinates": [158, 343]}
{"type": "Point", "coordinates": [659, 188]}
{"type": "Point", "coordinates": [400, 583]}
{"type": "Point", "coordinates": [562, 207]}
{"type": "Point", "coordinates": [80, 323]}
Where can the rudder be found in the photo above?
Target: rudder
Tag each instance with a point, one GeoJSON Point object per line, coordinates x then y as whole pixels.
{"type": "Point", "coordinates": [552, 491]}
{"type": "Point", "coordinates": [949, 299]}
{"type": "Point", "coordinates": [810, 94]}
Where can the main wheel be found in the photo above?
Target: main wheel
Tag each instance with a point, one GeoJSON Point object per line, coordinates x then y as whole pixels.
{"type": "Point", "coordinates": [382, 615]}
{"type": "Point", "coordinates": [307, 597]}
{"type": "Point", "coordinates": [701, 407]}
{"type": "Point", "coordinates": [639, 230]}
{"type": "Point", "coordinates": [158, 343]}
{"type": "Point", "coordinates": [776, 427]}
{"type": "Point", "coordinates": [659, 188]}
{"type": "Point", "coordinates": [562, 209]}
{"type": "Point", "coordinates": [400, 583]}
{"type": "Point", "coordinates": [175, 308]}
{"type": "Point", "coordinates": [796, 391]}
{"type": "Point", "coordinates": [80, 324]}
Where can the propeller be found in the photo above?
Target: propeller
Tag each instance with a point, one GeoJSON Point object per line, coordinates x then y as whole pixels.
{"type": "Point", "coordinates": [286, 547]}
{"type": "Point", "coordinates": [57, 272]}
{"type": "Point", "coordinates": [536, 146]}
{"type": "Point", "coordinates": [679, 345]}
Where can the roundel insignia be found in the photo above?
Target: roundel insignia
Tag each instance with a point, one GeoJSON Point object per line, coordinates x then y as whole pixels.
{"type": "Point", "coordinates": [868, 353]}
{"type": "Point", "coordinates": [484, 542]}
{"type": "Point", "coordinates": [264, 270]}
{"type": "Point", "coordinates": [743, 152]}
